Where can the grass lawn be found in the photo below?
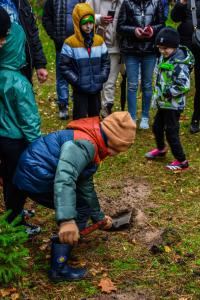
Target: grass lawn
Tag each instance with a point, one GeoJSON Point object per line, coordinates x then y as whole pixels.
{"type": "Point", "coordinates": [173, 273]}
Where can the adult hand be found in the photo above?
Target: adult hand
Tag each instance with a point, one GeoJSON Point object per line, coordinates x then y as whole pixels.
{"type": "Point", "coordinates": [42, 75]}
{"type": "Point", "coordinates": [108, 223]}
{"type": "Point", "coordinates": [139, 33]}
{"type": "Point", "coordinates": [105, 20]}
{"type": "Point", "coordinates": [183, 1]}
{"type": "Point", "coordinates": [68, 233]}
{"type": "Point", "coordinates": [148, 32]}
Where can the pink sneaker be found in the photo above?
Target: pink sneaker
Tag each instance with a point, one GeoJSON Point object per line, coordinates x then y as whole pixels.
{"type": "Point", "coordinates": [178, 166]}
{"type": "Point", "coordinates": [155, 153]}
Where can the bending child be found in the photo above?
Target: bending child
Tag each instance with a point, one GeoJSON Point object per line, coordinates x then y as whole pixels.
{"type": "Point", "coordinates": [84, 63]}
{"type": "Point", "coordinates": [172, 84]}
{"type": "Point", "coordinates": [57, 171]}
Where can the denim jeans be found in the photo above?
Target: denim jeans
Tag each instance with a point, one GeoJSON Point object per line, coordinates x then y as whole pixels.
{"type": "Point", "coordinates": [146, 63]}
{"type": "Point", "coordinates": [62, 86]}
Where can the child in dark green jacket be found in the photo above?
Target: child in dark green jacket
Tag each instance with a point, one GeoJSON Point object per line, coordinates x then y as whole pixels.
{"type": "Point", "coordinates": [19, 117]}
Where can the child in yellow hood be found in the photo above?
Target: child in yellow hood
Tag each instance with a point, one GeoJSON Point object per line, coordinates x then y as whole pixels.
{"type": "Point", "coordinates": [85, 63]}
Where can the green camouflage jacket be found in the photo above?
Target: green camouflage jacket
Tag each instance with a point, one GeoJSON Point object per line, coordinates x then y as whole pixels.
{"type": "Point", "coordinates": [173, 80]}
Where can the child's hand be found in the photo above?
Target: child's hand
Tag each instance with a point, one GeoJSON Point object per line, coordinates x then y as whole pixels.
{"type": "Point", "coordinates": [68, 233]}
{"type": "Point", "coordinates": [108, 223]}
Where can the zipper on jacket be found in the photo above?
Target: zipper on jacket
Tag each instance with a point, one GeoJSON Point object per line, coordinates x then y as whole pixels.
{"type": "Point", "coordinates": [89, 54]}
{"type": "Point", "coordinates": [143, 15]}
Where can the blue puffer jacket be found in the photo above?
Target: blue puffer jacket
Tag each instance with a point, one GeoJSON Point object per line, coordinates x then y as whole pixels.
{"type": "Point", "coordinates": [38, 164]}
{"type": "Point", "coordinates": [85, 72]}
{"type": "Point", "coordinates": [59, 165]}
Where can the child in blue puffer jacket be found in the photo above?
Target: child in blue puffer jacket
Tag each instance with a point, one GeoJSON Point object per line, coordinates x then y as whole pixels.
{"type": "Point", "coordinates": [84, 63]}
{"type": "Point", "coordinates": [57, 171]}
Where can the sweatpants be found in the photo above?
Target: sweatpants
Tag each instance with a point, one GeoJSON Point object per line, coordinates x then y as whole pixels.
{"type": "Point", "coordinates": [108, 92]}
{"type": "Point", "coordinates": [86, 105]}
{"type": "Point", "coordinates": [10, 151]}
{"type": "Point", "coordinates": [166, 122]}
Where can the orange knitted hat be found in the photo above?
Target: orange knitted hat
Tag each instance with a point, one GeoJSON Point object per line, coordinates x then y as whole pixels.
{"type": "Point", "coordinates": [120, 130]}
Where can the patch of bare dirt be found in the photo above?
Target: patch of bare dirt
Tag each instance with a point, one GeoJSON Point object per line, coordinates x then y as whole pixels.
{"type": "Point", "coordinates": [135, 197]}
{"type": "Point", "coordinates": [134, 194]}
{"type": "Point", "coordinates": [134, 295]}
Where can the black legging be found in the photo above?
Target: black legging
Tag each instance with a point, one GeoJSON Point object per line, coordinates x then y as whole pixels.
{"type": "Point", "coordinates": [166, 123]}
{"type": "Point", "coordinates": [10, 151]}
{"type": "Point", "coordinates": [196, 52]}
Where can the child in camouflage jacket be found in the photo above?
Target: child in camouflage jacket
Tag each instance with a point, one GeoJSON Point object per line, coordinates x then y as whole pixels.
{"type": "Point", "coordinates": [172, 84]}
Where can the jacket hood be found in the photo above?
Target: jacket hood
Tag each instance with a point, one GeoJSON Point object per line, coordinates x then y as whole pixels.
{"type": "Point", "coordinates": [183, 56]}
{"type": "Point", "coordinates": [89, 129]}
{"type": "Point", "coordinates": [81, 10]}
{"type": "Point", "coordinates": [12, 54]}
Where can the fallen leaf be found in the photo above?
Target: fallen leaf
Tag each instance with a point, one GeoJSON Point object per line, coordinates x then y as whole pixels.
{"type": "Point", "coordinates": [15, 296]}
{"type": "Point", "coordinates": [43, 247]}
{"type": "Point", "coordinates": [7, 292]}
{"type": "Point", "coordinates": [106, 285]}
{"type": "Point", "coordinates": [167, 249]}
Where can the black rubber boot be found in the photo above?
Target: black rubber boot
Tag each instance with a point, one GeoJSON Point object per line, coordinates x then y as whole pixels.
{"type": "Point", "coordinates": [60, 271]}
{"type": "Point", "coordinates": [194, 128]}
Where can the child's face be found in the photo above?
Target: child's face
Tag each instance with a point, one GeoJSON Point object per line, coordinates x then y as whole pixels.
{"type": "Point", "coordinates": [2, 41]}
{"type": "Point", "coordinates": [88, 27]}
{"type": "Point", "coordinates": [166, 51]}
{"type": "Point", "coordinates": [111, 150]}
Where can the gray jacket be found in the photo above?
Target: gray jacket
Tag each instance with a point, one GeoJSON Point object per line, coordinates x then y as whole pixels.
{"type": "Point", "coordinates": [101, 8]}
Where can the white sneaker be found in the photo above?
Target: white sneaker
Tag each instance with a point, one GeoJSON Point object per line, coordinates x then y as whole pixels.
{"type": "Point", "coordinates": [63, 115]}
{"type": "Point", "coordinates": [144, 124]}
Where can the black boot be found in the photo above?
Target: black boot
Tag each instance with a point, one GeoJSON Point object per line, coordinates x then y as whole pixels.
{"type": "Point", "coordinates": [194, 128]}
{"type": "Point", "coordinates": [60, 271]}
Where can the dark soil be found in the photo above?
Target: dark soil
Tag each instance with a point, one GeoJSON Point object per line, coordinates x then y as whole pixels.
{"type": "Point", "coordinates": [134, 295]}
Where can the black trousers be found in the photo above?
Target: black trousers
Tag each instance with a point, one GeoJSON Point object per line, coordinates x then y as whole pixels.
{"type": "Point", "coordinates": [195, 50]}
{"type": "Point", "coordinates": [166, 122]}
{"type": "Point", "coordinates": [86, 105]}
{"type": "Point", "coordinates": [196, 112]}
{"type": "Point", "coordinates": [47, 200]}
{"type": "Point", "coordinates": [10, 151]}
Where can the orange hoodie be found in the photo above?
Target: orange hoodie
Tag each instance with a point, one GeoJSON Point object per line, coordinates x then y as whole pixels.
{"type": "Point", "coordinates": [89, 129]}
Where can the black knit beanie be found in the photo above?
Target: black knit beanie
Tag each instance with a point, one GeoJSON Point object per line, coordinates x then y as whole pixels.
{"type": "Point", "coordinates": [168, 37]}
{"type": "Point", "coordinates": [4, 23]}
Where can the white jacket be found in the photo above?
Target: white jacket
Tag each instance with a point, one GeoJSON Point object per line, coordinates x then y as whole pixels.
{"type": "Point", "coordinates": [101, 8]}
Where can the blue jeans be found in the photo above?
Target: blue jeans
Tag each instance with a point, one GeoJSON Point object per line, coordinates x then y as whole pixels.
{"type": "Point", "coordinates": [62, 86]}
{"type": "Point", "coordinates": [146, 63]}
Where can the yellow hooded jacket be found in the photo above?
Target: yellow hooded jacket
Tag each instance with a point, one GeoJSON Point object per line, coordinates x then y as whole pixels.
{"type": "Point", "coordinates": [87, 72]}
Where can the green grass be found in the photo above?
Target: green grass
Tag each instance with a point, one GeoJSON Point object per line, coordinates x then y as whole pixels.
{"type": "Point", "coordinates": [177, 198]}
{"type": "Point", "coordinates": [168, 275]}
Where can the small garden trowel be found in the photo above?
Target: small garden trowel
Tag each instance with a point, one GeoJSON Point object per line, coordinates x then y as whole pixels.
{"type": "Point", "coordinates": [118, 223]}
{"type": "Point", "coordinates": [122, 220]}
